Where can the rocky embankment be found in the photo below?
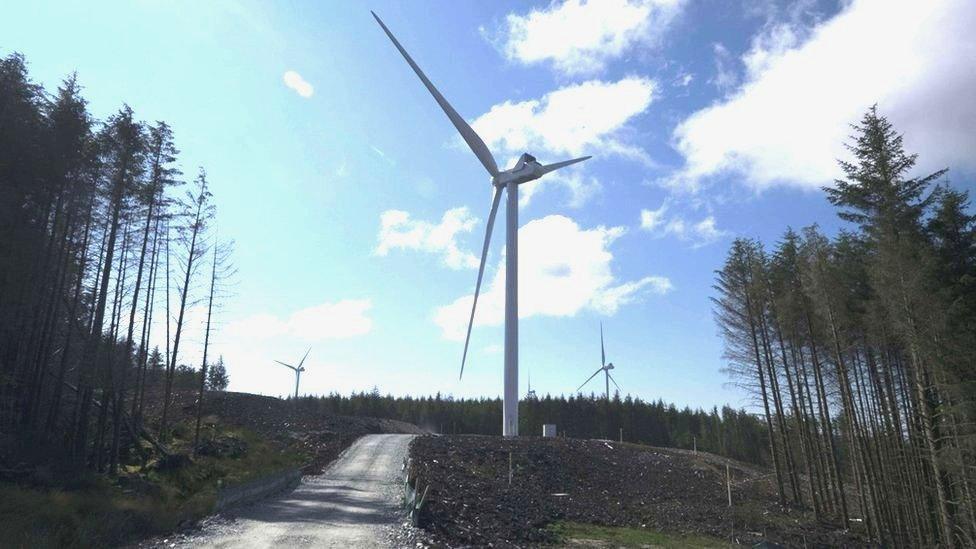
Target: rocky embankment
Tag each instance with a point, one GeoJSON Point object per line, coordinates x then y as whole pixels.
{"type": "Point", "coordinates": [471, 500]}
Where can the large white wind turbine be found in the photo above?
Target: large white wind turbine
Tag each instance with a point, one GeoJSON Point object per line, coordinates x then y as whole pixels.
{"type": "Point", "coordinates": [526, 169]}
{"type": "Point", "coordinates": [298, 369]}
{"type": "Point", "coordinates": [605, 368]}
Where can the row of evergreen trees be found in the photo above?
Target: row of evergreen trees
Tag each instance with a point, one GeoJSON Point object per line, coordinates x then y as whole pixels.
{"type": "Point", "coordinates": [94, 245]}
{"type": "Point", "coordinates": [861, 349]}
{"type": "Point", "coordinates": [184, 377]}
{"type": "Point", "coordinates": [732, 433]}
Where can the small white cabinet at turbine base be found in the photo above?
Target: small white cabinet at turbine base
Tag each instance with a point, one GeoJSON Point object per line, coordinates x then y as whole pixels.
{"type": "Point", "coordinates": [549, 430]}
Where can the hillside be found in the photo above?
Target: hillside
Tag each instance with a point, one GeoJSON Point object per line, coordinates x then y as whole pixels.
{"type": "Point", "coordinates": [319, 436]}
{"type": "Point", "coordinates": [555, 481]}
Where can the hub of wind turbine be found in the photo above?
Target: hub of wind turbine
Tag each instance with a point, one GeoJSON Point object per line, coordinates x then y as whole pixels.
{"type": "Point", "coordinates": [526, 169]}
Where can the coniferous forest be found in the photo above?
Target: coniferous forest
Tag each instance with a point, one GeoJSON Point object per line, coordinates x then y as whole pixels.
{"type": "Point", "coordinates": [861, 348]}
{"type": "Point", "coordinates": [104, 247]}
{"type": "Point", "coordinates": [729, 432]}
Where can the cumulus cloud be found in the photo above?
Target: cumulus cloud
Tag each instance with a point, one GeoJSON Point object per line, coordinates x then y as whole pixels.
{"type": "Point", "coordinates": [570, 121]}
{"type": "Point", "coordinates": [579, 187]}
{"type": "Point", "coordinates": [340, 320]}
{"type": "Point", "coordinates": [581, 36]}
{"type": "Point", "coordinates": [295, 81]}
{"type": "Point", "coordinates": [609, 300]}
{"type": "Point", "coordinates": [563, 269]}
{"type": "Point", "coordinates": [652, 219]}
{"type": "Point", "coordinates": [701, 233]}
{"type": "Point", "coordinates": [399, 231]}
{"type": "Point", "coordinates": [706, 231]}
{"type": "Point", "coordinates": [587, 118]}
{"type": "Point", "coordinates": [788, 121]}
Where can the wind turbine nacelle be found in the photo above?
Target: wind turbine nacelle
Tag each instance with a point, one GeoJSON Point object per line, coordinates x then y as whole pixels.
{"type": "Point", "coordinates": [526, 169]}
{"type": "Point", "coordinates": [610, 366]}
{"type": "Point", "coordinates": [525, 159]}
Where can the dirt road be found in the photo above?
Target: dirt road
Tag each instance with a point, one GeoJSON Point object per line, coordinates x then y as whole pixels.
{"type": "Point", "coordinates": [351, 505]}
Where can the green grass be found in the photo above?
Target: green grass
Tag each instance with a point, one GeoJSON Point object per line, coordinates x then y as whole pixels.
{"type": "Point", "coordinates": [613, 536]}
{"type": "Point", "coordinates": [96, 516]}
{"type": "Point", "coordinates": [260, 459]}
{"type": "Point", "coordinates": [99, 513]}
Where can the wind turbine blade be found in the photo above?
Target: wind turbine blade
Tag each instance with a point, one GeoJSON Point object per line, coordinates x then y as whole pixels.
{"type": "Point", "coordinates": [603, 354]}
{"type": "Point", "coordinates": [614, 382]}
{"type": "Point", "coordinates": [481, 271]}
{"type": "Point", "coordinates": [589, 378]}
{"type": "Point", "coordinates": [553, 167]}
{"type": "Point", "coordinates": [288, 365]}
{"type": "Point", "coordinates": [304, 357]}
{"type": "Point", "coordinates": [478, 146]}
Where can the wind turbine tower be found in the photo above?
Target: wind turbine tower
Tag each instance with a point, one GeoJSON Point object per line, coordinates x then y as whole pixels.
{"type": "Point", "coordinates": [297, 369]}
{"type": "Point", "coordinates": [526, 169]}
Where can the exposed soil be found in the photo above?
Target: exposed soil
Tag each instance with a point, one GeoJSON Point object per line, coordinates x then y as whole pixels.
{"type": "Point", "coordinates": [471, 502]}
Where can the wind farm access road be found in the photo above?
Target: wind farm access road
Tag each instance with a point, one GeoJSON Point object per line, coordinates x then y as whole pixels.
{"type": "Point", "coordinates": [354, 503]}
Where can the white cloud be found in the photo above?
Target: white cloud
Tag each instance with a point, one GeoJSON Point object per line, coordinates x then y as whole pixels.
{"type": "Point", "coordinates": [587, 118]}
{"type": "Point", "coordinates": [699, 234]}
{"type": "Point", "coordinates": [563, 269]}
{"type": "Point", "coordinates": [609, 300]}
{"type": "Point", "coordinates": [590, 117]}
{"type": "Point", "coordinates": [768, 46]}
{"type": "Point", "coordinates": [398, 231]}
{"type": "Point", "coordinates": [789, 120]}
{"type": "Point", "coordinates": [706, 231]}
{"type": "Point", "coordinates": [581, 36]}
{"type": "Point", "coordinates": [683, 80]}
{"type": "Point", "coordinates": [725, 73]}
{"type": "Point", "coordinates": [295, 81]}
{"type": "Point", "coordinates": [652, 219]}
{"type": "Point", "coordinates": [579, 187]}
{"type": "Point", "coordinates": [340, 320]}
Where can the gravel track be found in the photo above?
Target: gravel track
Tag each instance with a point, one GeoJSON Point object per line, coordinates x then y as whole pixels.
{"type": "Point", "coordinates": [354, 503]}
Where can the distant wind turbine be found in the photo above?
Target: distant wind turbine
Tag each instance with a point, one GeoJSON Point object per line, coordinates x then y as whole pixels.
{"type": "Point", "coordinates": [531, 394]}
{"type": "Point", "coordinates": [605, 368]}
{"type": "Point", "coordinates": [298, 369]}
{"type": "Point", "coordinates": [526, 169]}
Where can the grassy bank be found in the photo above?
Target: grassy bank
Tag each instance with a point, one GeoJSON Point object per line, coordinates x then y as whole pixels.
{"type": "Point", "coordinates": [144, 500]}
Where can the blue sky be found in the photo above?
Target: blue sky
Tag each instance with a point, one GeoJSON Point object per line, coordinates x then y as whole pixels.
{"type": "Point", "coordinates": [356, 210]}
